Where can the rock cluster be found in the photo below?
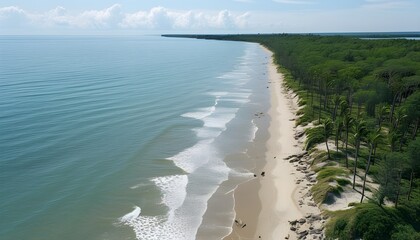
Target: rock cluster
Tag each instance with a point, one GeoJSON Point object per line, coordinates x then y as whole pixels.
{"type": "Point", "coordinates": [312, 225]}
{"type": "Point", "coordinates": [309, 227]}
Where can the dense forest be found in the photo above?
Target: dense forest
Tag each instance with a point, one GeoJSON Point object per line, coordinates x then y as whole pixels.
{"type": "Point", "coordinates": [362, 100]}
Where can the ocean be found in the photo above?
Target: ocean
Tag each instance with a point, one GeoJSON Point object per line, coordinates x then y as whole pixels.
{"type": "Point", "coordinates": [126, 137]}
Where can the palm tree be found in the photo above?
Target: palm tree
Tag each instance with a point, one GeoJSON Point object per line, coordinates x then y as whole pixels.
{"type": "Point", "coordinates": [383, 111]}
{"type": "Point", "coordinates": [373, 139]}
{"type": "Point", "coordinates": [336, 100]}
{"type": "Point", "coordinates": [338, 129]}
{"type": "Point", "coordinates": [347, 122]}
{"type": "Point", "coordinates": [414, 162]}
{"type": "Point", "coordinates": [359, 132]}
{"type": "Point", "coordinates": [327, 127]}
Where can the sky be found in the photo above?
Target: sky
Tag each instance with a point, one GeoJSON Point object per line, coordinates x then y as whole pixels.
{"type": "Point", "coordinates": [206, 16]}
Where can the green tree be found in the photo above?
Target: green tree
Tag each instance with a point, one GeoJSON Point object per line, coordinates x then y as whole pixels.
{"type": "Point", "coordinates": [414, 162]}
{"type": "Point", "coordinates": [389, 176]}
{"type": "Point", "coordinates": [413, 111]}
{"type": "Point", "coordinates": [327, 127]}
{"type": "Point", "coordinates": [359, 132]}
{"type": "Point", "coordinates": [373, 139]}
{"type": "Point", "coordinates": [347, 123]}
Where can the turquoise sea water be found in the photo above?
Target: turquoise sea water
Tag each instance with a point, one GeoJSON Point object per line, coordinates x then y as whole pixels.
{"type": "Point", "coordinates": [120, 137]}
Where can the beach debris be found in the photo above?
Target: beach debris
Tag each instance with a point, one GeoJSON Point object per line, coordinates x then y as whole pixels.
{"type": "Point", "coordinates": [287, 237]}
{"type": "Point", "coordinates": [238, 222]}
{"type": "Point", "coordinates": [263, 174]}
{"type": "Point", "coordinates": [255, 175]}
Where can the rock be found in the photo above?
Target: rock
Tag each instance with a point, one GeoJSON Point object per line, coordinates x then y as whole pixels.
{"type": "Point", "coordinates": [301, 154]}
{"type": "Point", "coordinates": [299, 134]}
{"type": "Point", "coordinates": [303, 233]}
{"type": "Point", "coordinates": [315, 231]}
{"type": "Point", "coordinates": [293, 222]}
{"type": "Point", "coordinates": [302, 220]}
{"type": "Point", "coordinates": [293, 228]}
{"type": "Point", "coordinates": [289, 157]}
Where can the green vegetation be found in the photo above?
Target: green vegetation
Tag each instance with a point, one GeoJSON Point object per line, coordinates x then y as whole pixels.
{"type": "Point", "coordinates": [371, 222]}
{"type": "Point", "coordinates": [364, 95]}
{"type": "Point", "coordinates": [329, 183]}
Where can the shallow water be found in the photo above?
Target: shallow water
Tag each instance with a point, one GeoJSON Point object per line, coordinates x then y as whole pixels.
{"type": "Point", "coordinates": [121, 137]}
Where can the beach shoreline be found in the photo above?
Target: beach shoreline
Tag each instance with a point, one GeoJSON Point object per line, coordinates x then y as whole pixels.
{"type": "Point", "coordinates": [268, 203]}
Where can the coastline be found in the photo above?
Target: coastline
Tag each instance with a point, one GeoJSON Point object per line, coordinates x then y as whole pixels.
{"type": "Point", "coordinates": [267, 204]}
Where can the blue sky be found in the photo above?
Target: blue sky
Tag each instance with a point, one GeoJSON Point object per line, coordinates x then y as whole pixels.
{"type": "Point", "coordinates": [215, 16]}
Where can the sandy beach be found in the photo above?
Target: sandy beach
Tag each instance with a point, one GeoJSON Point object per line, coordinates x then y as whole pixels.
{"type": "Point", "coordinates": [281, 195]}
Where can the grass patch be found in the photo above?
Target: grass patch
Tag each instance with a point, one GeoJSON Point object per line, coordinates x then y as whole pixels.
{"type": "Point", "coordinates": [369, 222]}
{"type": "Point", "coordinates": [329, 183]}
{"type": "Point", "coordinates": [342, 182]}
{"type": "Point", "coordinates": [328, 172]}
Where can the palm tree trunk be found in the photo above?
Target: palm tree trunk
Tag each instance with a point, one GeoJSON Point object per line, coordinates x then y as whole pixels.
{"type": "Point", "coordinates": [328, 149]}
{"type": "Point", "coordinates": [411, 184]}
{"type": "Point", "coordinates": [398, 189]}
{"type": "Point", "coordinates": [320, 105]}
{"type": "Point", "coordinates": [416, 127]}
{"type": "Point", "coordinates": [391, 114]}
{"type": "Point", "coordinates": [355, 165]}
{"type": "Point", "coordinates": [347, 144]}
{"type": "Point", "coordinates": [336, 143]}
{"type": "Point", "coordinates": [366, 172]}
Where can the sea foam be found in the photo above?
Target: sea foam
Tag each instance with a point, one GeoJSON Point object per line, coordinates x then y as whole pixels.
{"type": "Point", "coordinates": [186, 195]}
{"type": "Point", "coordinates": [164, 227]}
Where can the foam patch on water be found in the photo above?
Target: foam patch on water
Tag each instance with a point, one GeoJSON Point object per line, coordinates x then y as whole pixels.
{"type": "Point", "coordinates": [173, 190]}
{"type": "Point", "coordinates": [194, 157]}
{"type": "Point", "coordinates": [254, 130]}
{"type": "Point", "coordinates": [186, 196]}
{"type": "Point", "coordinates": [139, 185]}
{"type": "Point", "coordinates": [131, 215]}
{"type": "Point", "coordinates": [207, 133]}
{"type": "Point", "coordinates": [220, 120]}
{"type": "Point", "coordinates": [166, 227]}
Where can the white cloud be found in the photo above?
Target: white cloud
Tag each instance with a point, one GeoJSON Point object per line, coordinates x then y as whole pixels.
{"type": "Point", "coordinates": [166, 19]}
{"type": "Point", "coordinates": [100, 18]}
{"type": "Point", "coordinates": [157, 18]}
{"type": "Point", "coordinates": [13, 17]}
